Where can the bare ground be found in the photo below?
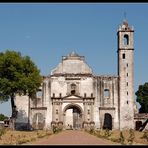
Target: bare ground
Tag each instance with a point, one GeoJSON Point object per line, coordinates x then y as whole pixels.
{"type": "Point", "coordinates": [72, 137]}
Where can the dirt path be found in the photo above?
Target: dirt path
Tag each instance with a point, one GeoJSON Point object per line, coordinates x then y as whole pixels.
{"type": "Point", "coordinates": [72, 137]}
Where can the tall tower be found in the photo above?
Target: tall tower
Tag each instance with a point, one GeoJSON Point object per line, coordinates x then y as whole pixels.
{"type": "Point", "coordinates": [126, 75]}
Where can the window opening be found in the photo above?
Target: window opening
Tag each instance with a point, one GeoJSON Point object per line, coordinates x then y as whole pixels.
{"type": "Point", "coordinates": [126, 39]}
{"type": "Point", "coordinates": [106, 93]}
{"type": "Point", "coordinates": [123, 56]}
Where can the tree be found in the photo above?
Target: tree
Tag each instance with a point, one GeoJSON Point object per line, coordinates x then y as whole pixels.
{"type": "Point", "coordinates": [142, 97]}
{"type": "Point", "coordinates": [18, 75]}
{"type": "Point", "coordinates": [3, 117]}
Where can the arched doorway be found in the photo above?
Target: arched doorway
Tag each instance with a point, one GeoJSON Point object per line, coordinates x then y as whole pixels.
{"type": "Point", "coordinates": [72, 117]}
{"type": "Point", "coordinates": [107, 121]}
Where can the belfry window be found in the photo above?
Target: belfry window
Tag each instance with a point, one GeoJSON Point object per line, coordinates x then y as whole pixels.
{"type": "Point", "coordinates": [126, 39]}
{"type": "Point", "coordinates": [73, 89]}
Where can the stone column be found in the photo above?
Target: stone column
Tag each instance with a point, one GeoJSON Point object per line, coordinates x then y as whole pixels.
{"type": "Point", "coordinates": [53, 111]}
{"type": "Point", "coordinates": [92, 111]}
{"type": "Point", "coordinates": [85, 110]}
{"type": "Point", "coordinates": [47, 96]}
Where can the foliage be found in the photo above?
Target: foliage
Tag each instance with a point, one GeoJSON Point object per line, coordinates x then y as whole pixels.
{"type": "Point", "coordinates": [121, 138]}
{"type": "Point", "coordinates": [145, 135]}
{"type": "Point", "coordinates": [3, 117]}
{"type": "Point", "coordinates": [142, 97]}
{"type": "Point", "coordinates": [91, 130]}
{"type": "Point", "coordinates": [125, 137]}
{"type": "Point", "coordinates": [18, 75]}
{"type": "Point", "coordinates": [56, 129]}
{"type": "Point", "coordinates": [2, 132]}
{"type": "Point", "coordinates": [107, 133]}
{"type": "Point", "coordinates": [131, 136]}
{"type": "Point", "coordinates": [19, 137]}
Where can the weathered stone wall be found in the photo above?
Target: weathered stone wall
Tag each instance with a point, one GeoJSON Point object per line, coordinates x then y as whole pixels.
{"type": "Point", "coordinates": [22, 106]}
{"type": "Point", "coordinates": [37, 118]}
{"type": "Point", "coordinates": [126, 76]}
{"type": "Point", "coordinates": [109, 103]}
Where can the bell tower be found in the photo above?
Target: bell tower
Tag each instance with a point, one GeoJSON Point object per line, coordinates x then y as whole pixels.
{"type": "Point", "coordinates": [126, 75]}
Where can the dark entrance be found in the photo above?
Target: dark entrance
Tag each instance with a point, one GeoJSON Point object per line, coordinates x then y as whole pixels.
{"type": "Point", "coordinates": [107, 121]}
{"type": "Point", "coordinates": [138, 125]}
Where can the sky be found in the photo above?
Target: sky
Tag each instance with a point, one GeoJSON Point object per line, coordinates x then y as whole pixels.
{"type": "Point", "coordinates": [48, 31]}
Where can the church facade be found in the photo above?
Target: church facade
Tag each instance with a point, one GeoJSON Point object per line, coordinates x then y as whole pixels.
{"type": "Point", "coordinates": [72, 96]}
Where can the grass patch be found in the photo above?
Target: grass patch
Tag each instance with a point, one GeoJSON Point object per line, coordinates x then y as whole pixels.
{"type": "Point", "coordinates": [124, 137]}
{"type": "Point", "coordinates": [11, 137]}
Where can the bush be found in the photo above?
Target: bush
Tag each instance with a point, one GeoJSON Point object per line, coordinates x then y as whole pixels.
{"type": "Point", "coordinates": [2, 132]}
{"type": "Point", "coordinates": [145, 135]}
{"type": "Point", "coordinates": [121, 138]}
{"type": "Point", "coordinates": [107, 133]}
{"type": "Point", "coordinates": [56, 129]}
{"type": "Point", "coordinates": [91, 131]}
{"type": "Point", "coordinates": [131, 136]}
{"type": "Point", "coordinates": [98, 133]}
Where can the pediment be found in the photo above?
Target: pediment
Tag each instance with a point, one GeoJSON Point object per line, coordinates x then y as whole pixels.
{"type": "Point", "coordinates": [72, 97]}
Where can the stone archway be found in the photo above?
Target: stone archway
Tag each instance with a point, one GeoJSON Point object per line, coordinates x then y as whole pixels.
{"type": "Point", "coordinates": [107, 121]}
{"type": "Point", "coordinates": [72, 116]}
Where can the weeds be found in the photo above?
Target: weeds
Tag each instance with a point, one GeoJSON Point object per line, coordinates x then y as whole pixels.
{"type": "Point", "coordinates": [107, 133]}
{"type": "Point", "coordinates": [20, 137]}
{"type": "Point", "coordinates": [131, 136]}
{"type": "Point", "coordinates": [145, 135]}
{"type": "Point", "coordinates": [2, 132]}
{"type": "Point", "coordinates": [56, 129]}
{"type": "Point", "coordinates": [121, 138]}
{"type": "Point", "coordinates": [91, 131]}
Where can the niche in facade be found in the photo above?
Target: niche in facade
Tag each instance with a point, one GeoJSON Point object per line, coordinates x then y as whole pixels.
{"type": "Point", "coordinates": [73, 89]}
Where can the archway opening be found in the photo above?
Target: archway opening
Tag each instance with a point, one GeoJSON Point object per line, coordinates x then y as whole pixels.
{"type": "Point", "coordinates": [126, 39]}
{"type": "Point", "coordinates": [107, 121]}
{"type": "Point", "coordinates": [73, 117]}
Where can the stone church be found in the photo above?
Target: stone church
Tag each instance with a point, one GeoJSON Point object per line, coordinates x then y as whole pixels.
{"type": "Point", "coordinates": [72, 96]}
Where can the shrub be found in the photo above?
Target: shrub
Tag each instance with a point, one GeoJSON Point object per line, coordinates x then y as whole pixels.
{"type": "Point", "coordinates": [145, 135]}
{"type": "Point", "coordinates": [107, 133]}
{"type": "Point", "coordinates": [91, 131]}
{"type": "Point", "coordinates": [2, 132]}
{"type": "Point", "coordinates": [115, 140]}
{"type": "Point", "coordinates": [121, 138]}
{"type": "Point", "coordinates": [131, 136]}
{"type": "Point", "coordinates": [98, 133]}
{"type": "Point", "coordinates": [56, 129]}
